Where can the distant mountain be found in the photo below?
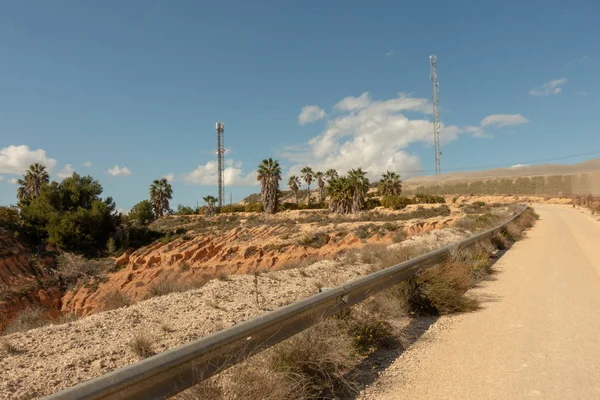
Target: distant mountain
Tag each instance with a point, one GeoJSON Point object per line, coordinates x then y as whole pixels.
{"type": "Point", "coordinates": [511, 172]}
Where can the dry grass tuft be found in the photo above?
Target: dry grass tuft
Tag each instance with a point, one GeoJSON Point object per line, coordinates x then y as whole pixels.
{"type": "Point", "coordinates": [445, 286]}
{"type": "Point", "coordinates": [384, 256]}
{"type": "Point", "coordinates": [31, 318]}
{"type": "Point", "coordinates": [9, 348]}
{"type": "Point", "coordinates": [317, 361]}
{"type": "Point", "coordinates": [141, 344]}
{"type": "Point", "coordinates": [115, 300]}
{"type": "Point", "coordinates": [164, 287]}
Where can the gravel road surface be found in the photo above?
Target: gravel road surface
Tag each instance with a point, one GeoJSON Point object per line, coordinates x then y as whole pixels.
{"type": "Point", "coordinates": [537, 334]}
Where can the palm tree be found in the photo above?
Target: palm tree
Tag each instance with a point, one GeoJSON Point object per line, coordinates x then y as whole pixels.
{"type": "Point", "coordinates": [307, 175]}
{"type": "Point", "coordinates": [321, 183]}
{"type": "Point", "coordinates": [390, 184]}
{"type": "Point", "coordinates": [269, 175]}
{"type": "Point", "coordinates": [294, 185]}
{"type": "Point", "coordinates": [330, 174]}
{"type": "Point", "coordinates": [33, 180]}
{"type": "Point", "coordinates": [210, 205]}
{"type": "Point", "coordinates": [360, 187]}
{"type": "Point", "coordinates": [160, 194]}
{"type": "Point", "coordinates": [340, 194]}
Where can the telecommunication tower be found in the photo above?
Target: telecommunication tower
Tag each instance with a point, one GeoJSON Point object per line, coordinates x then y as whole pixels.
{"type": "Point", "coordinates": [220, 152]}
{"type": "Point", "coordinates": [436, 114]}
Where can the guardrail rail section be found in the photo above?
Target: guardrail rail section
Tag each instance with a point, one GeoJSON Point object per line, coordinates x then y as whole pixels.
{"type": "Point", "coordinates": [177, 369]}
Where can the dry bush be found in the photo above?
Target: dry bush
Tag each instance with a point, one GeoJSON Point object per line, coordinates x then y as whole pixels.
{"type": "Point", "coordinates": [399, 236]}
{"type": "Point", "coordinates": [369, 330]}
{"type": "Point", "coordinates": [477, 222]}
{"type": "Point", "coordinates": [513, 231]}
{"type": "Point", "coordinates": [73, 267]}
{"type": "Point", "coordinates": [413, 299]}
{"type": "Point", "coordinates": [477, 256]}
{"type": "Point", "coordinates": [223, 276]}
{"type": "Point", "coordinates": [369, 253]}
{"type": "Point", "coordinates": [164, 287]}
{"type": "Point", "coordinates": [141, 344]}
{"type": "Point", "coordinates": [184, 267]}
{"type": "Point", "coordinates": [30, 318]}
{"type": "Point", "coordinates": [250, 380]}
{"type": "Point", "coordinates": [445, 286]}
{"type": "Point", "coordinates": [384, 256]}
{"type": "Point", "coordinates": [9, 348]}
{"type": "Point", "coordinates": [303, 263]}
{"type": "Point", "coordinates": [317, 361]}
{"type": "Point", "coordinates": [315, 240]}
{"type": "Point", "coordinates": [116, 299]}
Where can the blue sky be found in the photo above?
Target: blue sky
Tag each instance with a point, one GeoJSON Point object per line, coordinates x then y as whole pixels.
{"type": "Point", "coordinates": [140, 85]}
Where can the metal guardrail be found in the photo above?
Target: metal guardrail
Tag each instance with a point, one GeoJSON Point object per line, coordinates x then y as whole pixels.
{"type": "Point", "coordinates": [175, 370]}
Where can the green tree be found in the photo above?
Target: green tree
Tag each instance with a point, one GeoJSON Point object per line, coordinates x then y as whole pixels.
{"type": "Point", "coordinates": [32, 182]}
{"type": "Point", "coordinates": [210, 205]}
{"type": "Point", "coordinates": [269, 175]}
{"type": "Point", "coordinates": [142, 212]}
{"type": "Point", "coordinates": [360, 187]}
{"type": "Point", "coordinates": [160, 194]}
{"type": "Point", "coordinates": [71, 215]}
{"type": "Point", "coordinates": [294, 185]}
{"type": "Point", "coordinates": [307, 175]}
{"type": "Point", "coordinates": [330, 174]}
{"type": "Point", "coordinates": [340, 195]}
{"type": "Point", "coordinates": [390, 184]}
{"type": "Point", "coordinates": [321, 184]}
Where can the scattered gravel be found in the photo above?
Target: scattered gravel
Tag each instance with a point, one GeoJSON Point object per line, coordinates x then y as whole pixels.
{"type": "Point", "coordinates": [58, 356]}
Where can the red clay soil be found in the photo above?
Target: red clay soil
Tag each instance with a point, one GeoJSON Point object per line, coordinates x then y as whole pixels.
{"type": "Point", "coordinates": [25, 280]}
{"type": "Point", "coordinates": [237, 251]}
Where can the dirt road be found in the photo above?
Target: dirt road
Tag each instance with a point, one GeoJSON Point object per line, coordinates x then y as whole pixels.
{"type": "Point", "coordinates": [537, 336]}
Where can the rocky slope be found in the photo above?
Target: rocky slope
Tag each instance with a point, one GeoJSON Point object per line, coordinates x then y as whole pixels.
{"type": "Point", "coordinates": [47, 359]}
{"type": "Point", "coordinates": [199, 256]}
{"type": "Point", "coordinates": [25, 280]}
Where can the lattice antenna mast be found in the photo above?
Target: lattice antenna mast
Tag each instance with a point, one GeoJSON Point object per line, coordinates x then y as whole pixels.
{"type": "Point", "coordinates": [436, 115]}
{"type": "Point", "coordinates": [220, 152]}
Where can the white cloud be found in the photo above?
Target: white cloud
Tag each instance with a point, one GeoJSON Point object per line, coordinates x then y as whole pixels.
{"type": "Point", "coordinates": [371, 134]}
{"type": "Point", "coordinates": [123, 211]}
{"type": "Point", "coordinates": [503, 120]}
{"type": "Point", "coordinates": [87, 164]}
{"type": "Point", "coordinates": [389, 53]}
{"type": "Point", "coordinates": [16, 159]}
{"type": "Point", "coordinates": [353, 103]}
{"type": "Point", "coordinates": [66, 172]}
{"type": "Point", "coordinates": [169, 177]}
{"type": "Point", "coordinates": [310, 114]}
{"type": "Point", "coordinates": [476, 131]}
{"type": "Point", "coordinates": [206, 175]}
{"type": "Point", "coordinates": [376, 134]}
{"type": "Point", "coordinates": [13, 181]}
{"type": "Point", "coordinates": [519, 165]}
{"type": "Point", "coordinates": [549, 88]}
{"type": "Point", "coordinates": [2, 178]}
{"type": "Point", "coordinates": [118, 171]}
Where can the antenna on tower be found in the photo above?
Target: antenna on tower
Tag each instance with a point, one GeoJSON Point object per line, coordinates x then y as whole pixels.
{"type": "Point", "coordinates": [220, 152]}
{"type": "Point", "coordinates": [436, 114]}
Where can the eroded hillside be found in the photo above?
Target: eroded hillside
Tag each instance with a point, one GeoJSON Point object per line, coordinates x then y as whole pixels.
{"type": "Point", "coordinates": [240, 244]}
{"type": "Point", "coordinates": [25, 279]}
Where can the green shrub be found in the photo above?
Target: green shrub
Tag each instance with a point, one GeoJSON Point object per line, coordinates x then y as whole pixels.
{"type": "Point", "coordinates": [395, 202]}
{"type": "Point", "coordinates": [372, 203]}
{"type": "Point", "coordinates": [479, 203]}
{"type": "Point", "coordinates": [254, 207]}
{"type": "Point", "coordinates": [429, 199]}
{"type": "Point", "coordinates": [316, 240]}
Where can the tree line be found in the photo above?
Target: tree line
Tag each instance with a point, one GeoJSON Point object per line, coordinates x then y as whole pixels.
{"type": "Point", "coordinates": [553, 185]}
{"type": "Point", "coordinates": [72, 214]}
